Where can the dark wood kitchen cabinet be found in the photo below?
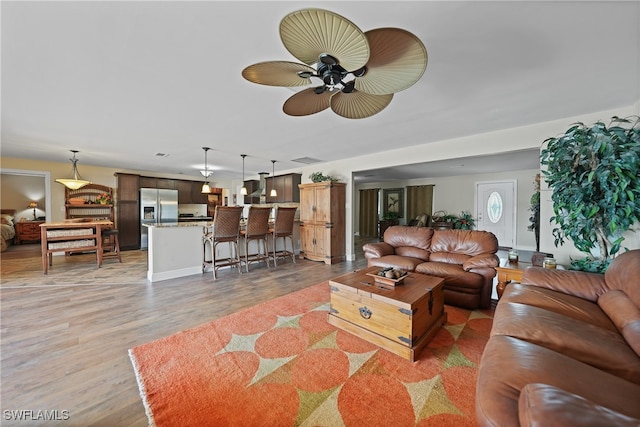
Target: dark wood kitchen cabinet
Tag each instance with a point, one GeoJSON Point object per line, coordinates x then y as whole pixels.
{"type": "Point", "coordinates": [286, 187]}
{"type": "Point", "coordinates": [252, 186]}
{"type": "Point", "coordinates": [152, 182]}
{"type": "Point", "coordinates": [128, 210]}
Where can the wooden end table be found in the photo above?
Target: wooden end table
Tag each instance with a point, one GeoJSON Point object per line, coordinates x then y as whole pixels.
{"type": "Point", "coordinates": [512, 272]}
{"type": "Point", "coordinates": [401, 319]}
{"type": "Point", "coordinates": [27, 231]}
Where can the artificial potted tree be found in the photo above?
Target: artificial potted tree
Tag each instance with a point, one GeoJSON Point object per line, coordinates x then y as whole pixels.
{"type": "Point", "coordinates": [594, 174]}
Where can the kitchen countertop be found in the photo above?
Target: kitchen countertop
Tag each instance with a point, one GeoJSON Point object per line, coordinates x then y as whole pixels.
{"type": "Point", "coordinates": [180, 224]}
{"type": "Point", "coordinates": [194, 218]}
{"type": "Point", "coordinates": [195, 223]}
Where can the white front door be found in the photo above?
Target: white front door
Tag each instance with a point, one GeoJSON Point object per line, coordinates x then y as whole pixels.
{"type": "Point", "coordinates": [496, 210]}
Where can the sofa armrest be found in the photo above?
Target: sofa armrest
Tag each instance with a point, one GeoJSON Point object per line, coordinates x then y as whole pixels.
{"type": "Point", "coordinates": [480, 261]}
{"type": "Point", "coordinates": [581, 284]}
{"type": "Point", "coordinates": [377, 250]}
{"type": "Point", "coordinates": [546, 405]}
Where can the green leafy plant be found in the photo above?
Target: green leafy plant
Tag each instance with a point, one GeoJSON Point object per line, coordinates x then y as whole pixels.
{"type": "Point", "coordinates": [320, 177]}
{"type": "Point", "coordinates": [443, 216]}
{"type": "Point", "coordinates": [390, 216]}
{"type": "Point", "coordinates": [534, 218]}
{"type": "Point", "coordinates": [594, 173]}
{"type": "Point", "coordinates": [464, 221]}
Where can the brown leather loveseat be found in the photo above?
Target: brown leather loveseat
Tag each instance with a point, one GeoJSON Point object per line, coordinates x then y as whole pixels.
{"type": "Point", "coordinates": [466, 259]}
{"type": "Point", "coordinates": [565, 350]}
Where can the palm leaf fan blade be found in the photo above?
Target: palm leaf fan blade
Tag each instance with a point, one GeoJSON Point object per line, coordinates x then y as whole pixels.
{"type": "Point", "coordinates": [397, 61]}
{"type": "Point", "coordinates": [307, 102]}
{"type": "Point", "coordinates": [308, 33]}
{"type": "Point", "coordinates": [359, 105]}
{"type": "Point", "coordinates": [277, 73]}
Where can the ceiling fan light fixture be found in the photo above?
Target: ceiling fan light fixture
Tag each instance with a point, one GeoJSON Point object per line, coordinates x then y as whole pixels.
{"type": "Point", "coordinates": [76, 182]}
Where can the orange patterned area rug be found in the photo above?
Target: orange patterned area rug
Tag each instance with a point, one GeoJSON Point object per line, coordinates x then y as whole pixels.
{"type": "Point", "coordinates": [281, 364]}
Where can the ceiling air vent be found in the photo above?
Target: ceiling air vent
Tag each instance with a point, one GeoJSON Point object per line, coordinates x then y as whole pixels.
{"type": "Point", "coordinates": [161, 155]}
{"type": "Point", "coordinates": [307, 160]}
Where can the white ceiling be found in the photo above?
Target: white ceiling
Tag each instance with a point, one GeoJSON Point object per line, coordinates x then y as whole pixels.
{"type": "Point", "coordinates": [121, 81]}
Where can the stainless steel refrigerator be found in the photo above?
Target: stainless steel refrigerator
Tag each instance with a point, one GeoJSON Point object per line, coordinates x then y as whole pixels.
{"type": "Point", "coordinates": [156, 206]}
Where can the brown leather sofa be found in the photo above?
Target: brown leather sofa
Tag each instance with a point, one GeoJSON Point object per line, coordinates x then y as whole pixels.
{"type": "Point", "coordinates": [565, 350]}
{"type": "Point", "coordinates": [466, 259]}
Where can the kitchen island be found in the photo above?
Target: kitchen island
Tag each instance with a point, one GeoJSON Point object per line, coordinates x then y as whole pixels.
{"type": "Point", "coordinates": [176, 250]}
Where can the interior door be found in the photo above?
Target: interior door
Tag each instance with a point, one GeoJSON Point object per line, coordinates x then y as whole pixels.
{"type": "Point", "coordinates": [496, 210]}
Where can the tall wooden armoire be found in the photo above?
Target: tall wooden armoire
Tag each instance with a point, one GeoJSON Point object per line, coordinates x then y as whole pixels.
{"type": "Point", "coordinates": [322, 221]}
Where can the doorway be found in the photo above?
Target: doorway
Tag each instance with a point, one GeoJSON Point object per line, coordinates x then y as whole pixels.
{"type": "Point", "coordinates": [46, 190]}
{"type": "Point", "coordinates": [496, 210]}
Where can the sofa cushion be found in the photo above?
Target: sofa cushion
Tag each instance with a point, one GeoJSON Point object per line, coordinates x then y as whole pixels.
{"type": "Point", "coordinates": [449, 257]}
{"type": "Point", "coordinates": [599, 347]}
{"type": "Point", "coordinates": [418, 237]}
{"type": "Point", "coordinates": [545, 405]}
{"type": "Point", "coordinates": [558, 302]}
{"type": "Point", "coordinates": [467, 242]}
{"type": "Point", "coordinates": [624, 274]}
{"type": "Point", "coordinates": [412, 252]}
{"type": "Point", "coordinates": [508, 364]}
{"type": "Point", "coordinates": [395, 261]}
{"type": "Point", "coordinates": [624, 314]}
{"type": "Point", "coordinates": [453, 275]}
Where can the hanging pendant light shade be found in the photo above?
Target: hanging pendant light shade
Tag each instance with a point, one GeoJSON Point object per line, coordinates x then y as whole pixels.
{"type": "Point", "coordinates": [205, 187]}
{"type": "Point", "coordinates": [273, 193]}
{"type": "Point", "coordinates": [243, 190]}
{"type": "Point", "coordinates": [77, 181]}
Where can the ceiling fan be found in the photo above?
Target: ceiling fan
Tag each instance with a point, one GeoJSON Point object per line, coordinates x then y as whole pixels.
{"type": "Point", "coordinates": [355, 73]}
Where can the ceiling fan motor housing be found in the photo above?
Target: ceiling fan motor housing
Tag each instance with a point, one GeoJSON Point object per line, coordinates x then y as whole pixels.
{"type": "Point", "coordinates": [360, 72]}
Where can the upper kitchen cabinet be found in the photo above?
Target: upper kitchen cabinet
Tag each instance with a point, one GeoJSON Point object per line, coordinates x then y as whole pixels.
{"type": "Point", "coordinates": [151, 182]}
{"type": "Point", "coordinates": [128, 187]}
{"type": "Point", "coordinates": [286, 187]}
{"type": "Point", "coordinates": [190, 192]}
{"type": "Point", "coordinates": [252, 186]}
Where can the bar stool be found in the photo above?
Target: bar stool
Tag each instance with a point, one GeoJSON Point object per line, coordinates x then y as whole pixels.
{"type": "Point", "coordinates": [110, 244]}
{"type": "Point", "coordinates": [225, 229]}
{"type": "Point", "coordinates": [257, 229]}
{"type": "Point", "coordinates": [282, 229]}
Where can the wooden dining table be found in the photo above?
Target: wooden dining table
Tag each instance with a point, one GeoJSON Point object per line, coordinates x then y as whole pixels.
{"type": "Point", "coordinates": [71, 237]}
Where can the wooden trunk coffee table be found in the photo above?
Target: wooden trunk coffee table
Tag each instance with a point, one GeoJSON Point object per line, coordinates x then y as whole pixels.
{"type": "Point", "coordinates": [401, 319]}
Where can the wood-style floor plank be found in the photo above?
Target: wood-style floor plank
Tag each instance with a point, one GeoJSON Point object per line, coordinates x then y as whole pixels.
{"type": "Point", "coordinates": [65, 336]}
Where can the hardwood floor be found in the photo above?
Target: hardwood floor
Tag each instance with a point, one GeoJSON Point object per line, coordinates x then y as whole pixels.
{"type": "Point", "coordinates": [65, 336]}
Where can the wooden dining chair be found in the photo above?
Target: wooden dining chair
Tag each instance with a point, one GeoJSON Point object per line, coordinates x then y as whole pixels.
{"type": "Point", "coordinates": [225, 229]}
{"type": "Point", "coordinates": [282, 229]}
{"type": "Point", "coordinates": [257, 229]}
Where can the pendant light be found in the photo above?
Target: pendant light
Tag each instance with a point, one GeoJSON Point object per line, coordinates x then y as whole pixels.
{"type": "Point", "coordinates": [77, 181]}
{"type": "Point", "coordinates": [243, 190]}
{"type": "Point", "coordinates": [205, 187]}
{"type": "Point", "coordinates": [273, 193]}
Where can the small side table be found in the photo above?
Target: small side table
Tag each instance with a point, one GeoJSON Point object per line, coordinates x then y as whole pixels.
{"type": "Point", "coordinates": [27, 231]}
{"type": "Point", "coordinates": [512, 272]}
